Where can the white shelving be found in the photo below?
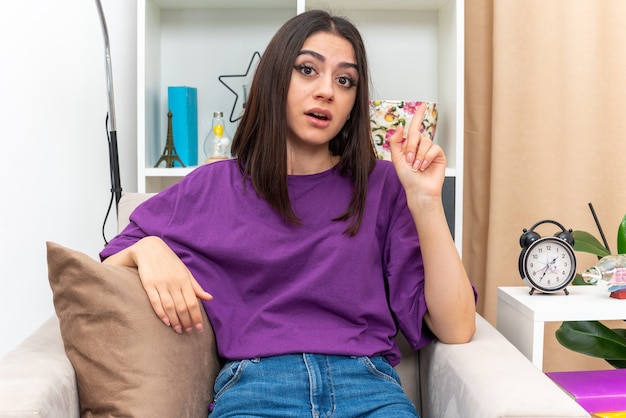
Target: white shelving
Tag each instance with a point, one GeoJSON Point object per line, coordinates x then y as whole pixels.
{"type": "Point", "coordinates": [415, 50]}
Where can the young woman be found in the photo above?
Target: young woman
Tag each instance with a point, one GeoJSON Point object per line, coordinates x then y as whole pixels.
{"type": "Point", "coordinates": [307, 244]}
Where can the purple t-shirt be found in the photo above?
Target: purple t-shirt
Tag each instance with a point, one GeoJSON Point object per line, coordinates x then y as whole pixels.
{"type": "Point", "coordinates": [280, 288]}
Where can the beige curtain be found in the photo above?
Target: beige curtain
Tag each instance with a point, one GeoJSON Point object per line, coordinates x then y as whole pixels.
{"type": "Point", "coordinates": [545, 131]}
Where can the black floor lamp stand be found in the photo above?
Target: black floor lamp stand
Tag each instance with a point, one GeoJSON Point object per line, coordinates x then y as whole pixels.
{"type": "Point", "coordinates": [114, 165]}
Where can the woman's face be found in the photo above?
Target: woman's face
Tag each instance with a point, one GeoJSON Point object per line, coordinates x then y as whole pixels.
{"type": "Point", "coordinates": [322, 91]}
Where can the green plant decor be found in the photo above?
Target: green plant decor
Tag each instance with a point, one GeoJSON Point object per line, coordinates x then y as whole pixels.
{"type": "Point", "coordinates": [592, 337]}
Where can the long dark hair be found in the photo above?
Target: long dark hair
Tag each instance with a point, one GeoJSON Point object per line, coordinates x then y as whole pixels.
{"type": "Point", "coordinates": [260, 140]}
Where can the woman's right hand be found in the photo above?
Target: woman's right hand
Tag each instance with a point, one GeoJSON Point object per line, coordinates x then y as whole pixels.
{"type": "Point", "coordinates": [171, 288]}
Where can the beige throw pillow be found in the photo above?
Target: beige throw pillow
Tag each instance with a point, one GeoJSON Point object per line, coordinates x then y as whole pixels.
{"type": "Point", "coordinates": [127, 362]}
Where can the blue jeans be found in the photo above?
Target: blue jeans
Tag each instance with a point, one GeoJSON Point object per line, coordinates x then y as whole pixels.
{"type": "Point", "coordinates": [310, 385]}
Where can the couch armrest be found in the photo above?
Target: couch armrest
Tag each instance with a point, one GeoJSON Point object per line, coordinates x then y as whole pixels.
{"type": "Point", "coordinates": [488, 377]}
{"type": "Point", "coordinates": [36, 377]}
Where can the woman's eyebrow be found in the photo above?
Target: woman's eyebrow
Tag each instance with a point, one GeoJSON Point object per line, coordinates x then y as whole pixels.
{"type": "Point", "coordinates": [322, 58]}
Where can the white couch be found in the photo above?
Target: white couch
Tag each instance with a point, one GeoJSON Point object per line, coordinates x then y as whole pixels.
{"type": "Point", "coordinates": [486, 378]}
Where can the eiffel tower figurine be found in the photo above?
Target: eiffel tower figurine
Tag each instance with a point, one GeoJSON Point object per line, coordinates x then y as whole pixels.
{"type": "Point", "coordinates": [169, 153]}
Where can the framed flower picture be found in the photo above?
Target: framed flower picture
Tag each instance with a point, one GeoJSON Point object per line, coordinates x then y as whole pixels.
{"type": "Point", "coordinates": [387, 115]}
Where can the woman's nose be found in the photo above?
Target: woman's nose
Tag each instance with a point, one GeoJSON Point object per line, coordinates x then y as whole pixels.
{"type": "Point", "coordinates": [325, 88]}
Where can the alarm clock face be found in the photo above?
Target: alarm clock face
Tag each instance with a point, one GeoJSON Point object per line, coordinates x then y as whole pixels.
{"type": "Point", "coordinates": [549, 264]}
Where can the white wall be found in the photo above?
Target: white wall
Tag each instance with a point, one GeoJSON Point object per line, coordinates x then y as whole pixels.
{"type": "Point", "coordinates": [54, 166]}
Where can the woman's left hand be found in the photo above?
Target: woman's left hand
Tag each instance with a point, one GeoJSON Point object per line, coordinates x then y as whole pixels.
{"type": "Point", "coordinates": [419, 163]}
{"type": "Point", "coordinates": [421, 168]}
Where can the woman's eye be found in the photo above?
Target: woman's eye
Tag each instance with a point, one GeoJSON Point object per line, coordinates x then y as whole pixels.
{"type": "Point", "coordinates": [346, 81]}
{"type": "Point", "coordinates": [305, 69]}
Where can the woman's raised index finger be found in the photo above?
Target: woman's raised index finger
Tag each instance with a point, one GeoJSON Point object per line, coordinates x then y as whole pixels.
{"type": "Point", "coordinates": [415, 127]}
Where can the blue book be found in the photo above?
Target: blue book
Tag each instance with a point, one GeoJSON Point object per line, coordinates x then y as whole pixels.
{"type": "Point", "coordinates": [183, 103]}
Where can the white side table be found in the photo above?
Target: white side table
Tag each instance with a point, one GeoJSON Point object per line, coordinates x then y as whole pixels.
{"type": "Point", "coordinates": [521, 317]}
